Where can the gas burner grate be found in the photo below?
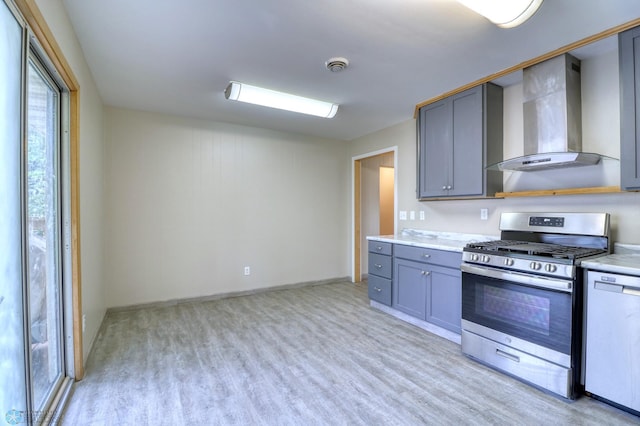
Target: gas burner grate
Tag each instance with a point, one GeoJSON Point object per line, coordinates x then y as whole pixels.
{"type": "Point", "coordinates": [535, 249]}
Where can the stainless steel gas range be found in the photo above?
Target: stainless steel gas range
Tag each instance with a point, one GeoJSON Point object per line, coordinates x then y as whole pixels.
{"type": "Point", "coordinates": [522, 296]}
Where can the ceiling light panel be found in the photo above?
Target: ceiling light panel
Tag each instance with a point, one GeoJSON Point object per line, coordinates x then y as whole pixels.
{"type": "Point", "coordinates": [270, 98]}
{"type": "Point", "coordinates": [504, 13]}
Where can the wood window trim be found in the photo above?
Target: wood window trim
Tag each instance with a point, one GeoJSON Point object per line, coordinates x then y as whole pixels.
{"type": "Point", "coordinates": [43, 34]}
{"type": "Point", "coordinates": [357, 211]}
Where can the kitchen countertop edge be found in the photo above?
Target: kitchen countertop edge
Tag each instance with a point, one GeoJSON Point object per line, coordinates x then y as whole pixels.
{"type": "Point", "coordinates": [431, 239]}
{"type": "Point", "coordinates": [627, 264]}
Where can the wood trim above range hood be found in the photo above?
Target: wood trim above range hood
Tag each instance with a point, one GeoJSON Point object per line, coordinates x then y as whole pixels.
{"type": "Point", "coordinates": [568, 191]}
{"type": "Point", "coordinates": [562, 50]}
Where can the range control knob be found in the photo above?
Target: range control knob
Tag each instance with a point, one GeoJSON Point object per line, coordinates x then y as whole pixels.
{"type": "Point", "coordinates": [535, 266]}
{"type": "Point", "coordinates": [474, 257]}
{"type": "Point", "coordinates": [508, 262]}
{"type": "Point", "coordinates": [486, 259]}
{"type": "Point", "coordinates": [550, 268]}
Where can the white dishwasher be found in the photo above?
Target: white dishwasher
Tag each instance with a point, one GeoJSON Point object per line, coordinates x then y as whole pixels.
{"type": "Point", "coordinates": [612, 369]}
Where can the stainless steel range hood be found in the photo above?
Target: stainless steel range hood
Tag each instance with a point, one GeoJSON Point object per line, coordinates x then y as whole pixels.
{"type": "Point", "coordinates": [549, 160]}
{"type": "Point", "coordinates": [552, 118]}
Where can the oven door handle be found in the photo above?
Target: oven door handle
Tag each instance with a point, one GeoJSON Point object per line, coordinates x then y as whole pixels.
{"type": "Point", "coordinates": [530, 280]}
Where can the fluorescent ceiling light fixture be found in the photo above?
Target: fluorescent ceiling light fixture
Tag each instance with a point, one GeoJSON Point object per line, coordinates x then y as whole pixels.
{"type": "Point", "coordinates": [504, 13]}
{"type": "Point", "coordinates": [270, 98]}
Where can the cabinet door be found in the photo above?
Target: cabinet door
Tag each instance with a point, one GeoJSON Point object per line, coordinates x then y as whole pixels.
{"type": "Point", "coordinates": [468, 142]}
{"type": "Point", "coordinates": [444, 298]}
{"type": "Point", "coordinates": [434, 146]}
{"type": "Point", "coordinates": [629, 45]}
{"type": "Point", "coordinates": [410, 287]}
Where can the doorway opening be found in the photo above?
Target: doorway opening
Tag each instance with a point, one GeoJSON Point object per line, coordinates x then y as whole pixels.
{"type": "Point", "coordinates": [374, 202]}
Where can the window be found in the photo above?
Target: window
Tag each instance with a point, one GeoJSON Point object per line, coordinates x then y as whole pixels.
{"type": "Point", "coordinates": [36, 345]}
{"type": "Point", "coordinates": [44, 269]}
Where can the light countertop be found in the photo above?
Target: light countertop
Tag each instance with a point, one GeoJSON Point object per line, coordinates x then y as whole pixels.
{"type": "Point", "coordinates": [450, 241]}
{"type": "Point", "coordinates": [628, 264]}
{"type": "Point", "coordinates": [623, 248]}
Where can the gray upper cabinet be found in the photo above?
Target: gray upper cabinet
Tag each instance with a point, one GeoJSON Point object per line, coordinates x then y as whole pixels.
{"type": "Point", "coordinates": [629, 44]}
{"type": "Point", "coordinates": [457, 138]}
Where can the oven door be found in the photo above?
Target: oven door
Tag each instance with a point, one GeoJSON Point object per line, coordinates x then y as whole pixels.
{"type": "Point", "coordinates": [531, 308]}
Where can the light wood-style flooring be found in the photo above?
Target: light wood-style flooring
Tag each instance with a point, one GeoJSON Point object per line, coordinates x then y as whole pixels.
{"type": "Point", "coordinates": [315, 355]}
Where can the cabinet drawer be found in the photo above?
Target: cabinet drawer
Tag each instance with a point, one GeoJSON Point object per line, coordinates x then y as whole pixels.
{"type": "Point", "coordinates": [380, 265]}
{"type": "Point", "coordinates": [449, 259]}
{"type": "Point", "coordinates": [380, 247]}
{"type": "Point", "coordinates": [512, 361]}
{"type": "Point", "coordinates": [380, 289]}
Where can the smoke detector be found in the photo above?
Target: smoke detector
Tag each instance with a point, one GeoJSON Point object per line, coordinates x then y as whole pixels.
{"type": "Point", "coordinates": [337, 64]}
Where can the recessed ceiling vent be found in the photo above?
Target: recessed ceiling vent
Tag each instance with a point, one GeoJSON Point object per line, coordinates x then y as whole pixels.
{"type": "Point", "coordinates": [337, 64]}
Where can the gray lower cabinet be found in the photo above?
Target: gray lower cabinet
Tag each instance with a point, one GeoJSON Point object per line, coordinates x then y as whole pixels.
{"type": "Point", "coordinates": [457, 138]}
{"type": "Point", "coordinates": [422, 282]}
{"type": "Point", "coordinates": [410, 287]}
{"type": "Point", "coordinates": [428, 291]}
{"type": "Point", "coordinates": [379, 289]}
{"type": "Point", "coordinates": [380, 271]}
{"type": "Point", "coordinates": [629, 57]}
{"type": "Point", "coordinates": [444, 298]}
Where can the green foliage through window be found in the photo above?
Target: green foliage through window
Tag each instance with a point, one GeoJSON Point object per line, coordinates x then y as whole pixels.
{"type": "Point", "coordinates": [37, 179]}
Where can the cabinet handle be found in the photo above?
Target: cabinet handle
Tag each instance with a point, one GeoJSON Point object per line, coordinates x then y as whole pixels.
{"type": "Point", "coordinates": [425, 272]}
{"type": "Point", "coordinates": [449, 187]}
{"type": "Point", "coordinates": [628, 291]}
{"type": "Point", "coordinates": [377, 265]}
{"type": "Point", "coordinates": [379, 248]}
{"type": "Point", "coordinates": [426, 256]}
{"type": "Point", "coordinates": [377, 289]}
{"type": "Point", "coordinates": [444, 187]}
{"type": "Point", "coordinates": [507, 355]}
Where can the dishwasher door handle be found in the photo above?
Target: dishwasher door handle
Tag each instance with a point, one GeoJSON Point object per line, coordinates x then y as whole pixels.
{"type": "Point", "coordinates": [614, 288]}
{"type": "Point", "coordinates": [631, 291]}
{"type": "Point", "coordinates": [617, 288]}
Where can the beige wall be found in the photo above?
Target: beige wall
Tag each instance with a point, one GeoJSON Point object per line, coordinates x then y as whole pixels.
{"type": "Point", "coordinates": [91, 149]}
{"type": "Point", "coordinates": [600, 131]}
{"type": "Point", "coordinates": [190, 203]}
{"type": "Point", "coordinates": [464, 215]}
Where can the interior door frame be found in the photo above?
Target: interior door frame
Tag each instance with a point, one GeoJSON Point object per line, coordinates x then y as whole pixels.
{"type": "Point", "coordinates": [356, 213]}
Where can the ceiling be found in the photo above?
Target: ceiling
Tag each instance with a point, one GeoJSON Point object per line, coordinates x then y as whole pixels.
{"type": "Point", "coordinates": [177, 56]}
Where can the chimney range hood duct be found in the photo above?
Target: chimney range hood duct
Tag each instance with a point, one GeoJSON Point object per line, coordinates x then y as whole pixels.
{"type": "Point", "coordinates": [552, 118]}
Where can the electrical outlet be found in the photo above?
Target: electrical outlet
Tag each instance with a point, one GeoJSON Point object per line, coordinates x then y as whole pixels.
{"type": "Point", "coordinates": [247, 270]}
{"type": "Point", "coordinates": [421, 214]}
{"type": "Point", "coordinates": [484, 214]}
{"type": "Point", "coordinates": [403, 215]}
{"type": "Point", "coordinates": [412, 215]}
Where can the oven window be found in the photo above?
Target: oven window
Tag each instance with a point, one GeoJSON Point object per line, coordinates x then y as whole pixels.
{"type": "Point", "coordinates": [527, 310]}
{"type": "Point", "coordinates": [534, 314]}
